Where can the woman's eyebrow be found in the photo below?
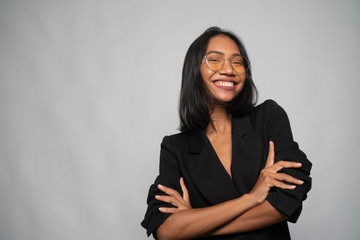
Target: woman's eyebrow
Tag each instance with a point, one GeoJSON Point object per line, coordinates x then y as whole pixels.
{"type": "Point", "coordinates": [221, 53]}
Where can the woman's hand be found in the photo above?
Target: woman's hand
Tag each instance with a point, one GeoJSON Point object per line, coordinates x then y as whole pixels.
{"type": "Point", "coordinates": [173, 197]}
{"type": "Point", "coordinates": [269, 177]}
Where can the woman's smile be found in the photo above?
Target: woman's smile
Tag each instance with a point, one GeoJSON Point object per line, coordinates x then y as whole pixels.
{"type": "Point", "coordinates": [226, 84]}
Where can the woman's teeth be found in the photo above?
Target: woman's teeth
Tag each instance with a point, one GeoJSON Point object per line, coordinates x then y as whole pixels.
{"type": "Point", "coordinates": [224, 84]}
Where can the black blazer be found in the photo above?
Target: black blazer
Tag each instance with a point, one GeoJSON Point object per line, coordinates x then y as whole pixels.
{"type": "Point", "coordinates": [191, 156]}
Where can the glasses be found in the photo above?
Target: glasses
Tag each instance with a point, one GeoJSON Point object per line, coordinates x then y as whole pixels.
{"type": "Point", "coordinates": [216, 61]}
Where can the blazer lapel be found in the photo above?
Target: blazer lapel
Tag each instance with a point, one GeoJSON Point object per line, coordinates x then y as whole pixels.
{"type": "Point", "coordinates": [207, 172]}
{"type": "Point", "coordinates": [247, 151]}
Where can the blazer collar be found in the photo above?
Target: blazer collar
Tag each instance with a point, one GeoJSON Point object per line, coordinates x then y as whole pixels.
{"type": "Point", "coordinates": [241, 126]}
{"type": "Point", "coordinates": [196, 142]}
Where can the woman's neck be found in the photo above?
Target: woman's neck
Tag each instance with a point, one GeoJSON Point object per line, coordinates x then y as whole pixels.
{"type": "Point", "coordinates": [220, 122]}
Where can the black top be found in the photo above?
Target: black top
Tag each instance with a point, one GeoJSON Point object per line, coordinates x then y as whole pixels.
{"type": "Point", "coordinates": [192, 157]}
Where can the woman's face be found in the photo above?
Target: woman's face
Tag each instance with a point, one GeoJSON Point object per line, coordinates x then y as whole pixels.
{"type": "Point", "coordinates": [224, 84]}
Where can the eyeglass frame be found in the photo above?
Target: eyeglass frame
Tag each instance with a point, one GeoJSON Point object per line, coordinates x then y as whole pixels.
{"type": "Point", "coordinates": [231, 63]}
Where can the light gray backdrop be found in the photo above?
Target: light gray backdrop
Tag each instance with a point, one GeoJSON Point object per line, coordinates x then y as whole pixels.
{"type": "Point", "coordinates": [89, 88]}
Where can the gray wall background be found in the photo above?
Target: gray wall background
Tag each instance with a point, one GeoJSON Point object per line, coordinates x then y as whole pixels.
{"type": "Point", "coordinates": [89, 88]}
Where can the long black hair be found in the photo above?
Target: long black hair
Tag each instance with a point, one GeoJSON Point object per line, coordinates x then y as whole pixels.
{"type": "Point", "coordinates": [196, 102]}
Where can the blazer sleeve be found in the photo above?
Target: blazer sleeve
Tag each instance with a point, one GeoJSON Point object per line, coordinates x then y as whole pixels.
{"type": "Point", "coordinates": [169, 176]}
{"type": "Point", "coordinates": [278, 130]}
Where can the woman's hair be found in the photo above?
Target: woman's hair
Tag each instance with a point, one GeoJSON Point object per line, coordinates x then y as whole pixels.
{"type": "Point", "coordinates": [196, 101]}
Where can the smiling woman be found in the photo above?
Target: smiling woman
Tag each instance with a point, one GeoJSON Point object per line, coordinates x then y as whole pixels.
{"type": "Point", "coordinates": [234, 171]}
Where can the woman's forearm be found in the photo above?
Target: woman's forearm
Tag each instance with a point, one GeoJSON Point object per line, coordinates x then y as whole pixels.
{"type": "Point", "coordinates": [260, 216]}
{"type": "Point", "coordinates": [194, 223]}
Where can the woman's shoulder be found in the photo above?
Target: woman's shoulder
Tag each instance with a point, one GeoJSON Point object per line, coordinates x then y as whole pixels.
{"type": "Point", "coordinates": [269, 108]}
{"type": "Point", "coordinates": [179, 136]}
{"type": "Point", "coordinates": [177, 139]}
{"type": "Point", "coordinates": [267, 105]}
{"type": "Point", "coordinates": [184, 141]}
{"type": "Point", "coordinates": [264, 114]}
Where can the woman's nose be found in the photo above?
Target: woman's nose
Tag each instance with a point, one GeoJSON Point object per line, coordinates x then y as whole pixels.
{"type": "Point", "coordinates": [227, 68]}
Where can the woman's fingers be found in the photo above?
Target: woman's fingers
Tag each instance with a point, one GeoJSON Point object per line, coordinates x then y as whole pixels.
{"type": "Point", "coordinates": [281, 180]}
{"type": "Point", "coordinates": [168, 191]}
{"type": "Point", "coordinates": [169, 210]}
{"type": "Point", "coordinates": [184, 190]}
{"type": "Point", "coordinates": [287, 178]}
{"type": "Point", "coordinates": [285, 164]}
{"type": "Point", "coordinates": [174, 198]}
{"type": "Point", "coordinates": [169, 199]}
{"type": "Point", "coordinates": [283, 185]}
{"type": "Point", "coordinates": [270, 178]}
{"type": "Point", "coordinates": [280, 164]}
{"type": "Point", "coordinates": [271, 156]}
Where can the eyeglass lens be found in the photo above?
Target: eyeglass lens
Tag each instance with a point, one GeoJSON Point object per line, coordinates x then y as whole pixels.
{"type": "Point", "coordinates": [216, 62]}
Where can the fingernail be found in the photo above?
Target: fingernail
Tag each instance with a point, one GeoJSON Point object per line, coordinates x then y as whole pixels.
{"type": "Point", "coordinates": [161, 209]}
{"type": "Point", "coordinates": [292, 186]}
{"type": "Point", "coordinates": [160, 186]}
{"type": "Point", "coordinates": [299, 181]}
{"type": "Point", "coordinates": [298, 164]}
{"type": "Point", "coordinates": [157, 196]}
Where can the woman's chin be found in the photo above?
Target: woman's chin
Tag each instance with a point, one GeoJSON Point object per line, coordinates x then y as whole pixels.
{"type": "Point", "coordinates": [225, 96]}
{"type": "Point", "coordinates": [224, 99]}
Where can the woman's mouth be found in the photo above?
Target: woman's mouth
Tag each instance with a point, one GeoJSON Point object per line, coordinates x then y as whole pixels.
{"type": "Point", "coordinates": [228, 85]}
{"type": "Point", "coordinates": [224, 84]}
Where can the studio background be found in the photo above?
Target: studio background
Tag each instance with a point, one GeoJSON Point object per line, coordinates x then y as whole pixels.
{"type": "Point", "coordinates": [88, 89]}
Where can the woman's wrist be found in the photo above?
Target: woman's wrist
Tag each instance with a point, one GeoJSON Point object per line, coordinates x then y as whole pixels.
{"type": "Point", "coordinates": [252, 199]}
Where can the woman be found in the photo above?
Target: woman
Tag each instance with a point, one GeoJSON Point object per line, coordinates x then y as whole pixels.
{"type": "Point", "coordinates": [234, 171]}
